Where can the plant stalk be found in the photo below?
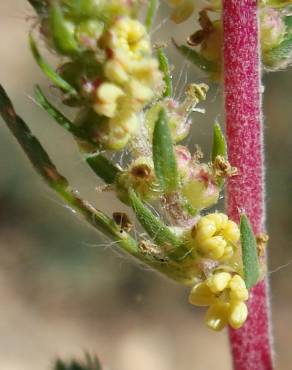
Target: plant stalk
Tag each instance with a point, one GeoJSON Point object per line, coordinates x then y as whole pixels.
{"type": "Point", "coordinates": [251, 345]}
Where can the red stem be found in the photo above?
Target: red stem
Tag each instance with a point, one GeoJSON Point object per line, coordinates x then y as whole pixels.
{"type": "Point", "coordinates": [251, 345]}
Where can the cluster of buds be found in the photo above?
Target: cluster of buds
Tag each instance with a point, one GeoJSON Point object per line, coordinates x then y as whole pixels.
{"type": "Point", "coordinates": [225, 294]}
{"type": "Point", "coordinates": [110, 65]}
{"type": "Point", "coordinates": [124, 101]}
{"type": "Point", "coordinates": [275, 32]}
{"type": "Point", "coordinates": [215, 236]}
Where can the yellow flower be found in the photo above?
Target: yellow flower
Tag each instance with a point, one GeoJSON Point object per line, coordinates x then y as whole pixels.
{"type": "Point", "coordinates": [132, 55]}
{"type": "Point", "coordinates": [131, 80]}
{"type": "Point", "coordinates": [215, 236]}
{"type": "Point", "coordinates": [107, 99]}
{"type": "Point", "coordinates": [225, 294]}
{"type": "Point", "coordinates": [129, 41]}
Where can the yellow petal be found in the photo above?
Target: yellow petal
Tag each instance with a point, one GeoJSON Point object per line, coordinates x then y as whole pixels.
{"type": "Point", "coordinates": [231, 232]}
{"type": "Point", "coordinates": [204, 229]}
{"type": "Point", "coordinates": [220, 219]}
{"type": "Point", "coordinates": [238, 313]}
{"type": "Point", "coordinates": [217, 316]}
{"type": "Point", "coordinates": [214, 246]}
{"type": "Point", "coordinates": [201, 295]}
{"type": "Point", "coordinates": [109, 93]}
{"type": "Point", "coordinates": [218, 282]}
{"type": "Point", "coordinates": [238, 289]}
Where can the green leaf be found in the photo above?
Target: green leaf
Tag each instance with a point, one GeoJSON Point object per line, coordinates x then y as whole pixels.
{"type": "Point", "coordinates": [103, 167]}
{"type": "Point", "coordinates": [249, 253]}
{"type": "Point", "coordinates": [196, 58]}
{"type": "Point", "coordinates": [151, 10]}
{"type": "Point", "coordinates": [29, 143]}
{"type": "Point", "coordinates": [156, 229]}
{"type": "Point", "coordinates": [98, 163]}
{"type": "Point", "coordinates": [49, 71]}
{"type": "Point", "coordinates": [164, 68]}
{"type": "Point", "coordinates": [219, 143]}
{"type": "Point", "coordinates": [58, 116]}
{"type": "Point", "coordinates": [164, 158]}
{"type": "Point", "coordinates": [63, 31]}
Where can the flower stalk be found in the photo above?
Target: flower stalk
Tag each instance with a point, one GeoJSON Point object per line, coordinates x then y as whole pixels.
{"type": "Point", "coordinates": [251, 345]}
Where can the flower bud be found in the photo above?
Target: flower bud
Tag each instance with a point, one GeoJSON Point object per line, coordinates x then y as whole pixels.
{"type": "Point", "coordinates": [201, 194]}
{"type": "Point", "coordinates": [201, 295]}
{"type": "Point", "coordinates": [88, 33]}
{"type": "Point", "coordinates": [178, 113]}
{"type": "Point", "coordinates": [238, 313]}
{"type": "Point", "coordinates": [201, 191]}
{"type": "Point", "coordinates": [272, 28]}
{"type": "Point", "coordinates": [184, 164]}
{"type": "Point", "coordinates": [141, 177]}
{"type": "Point", "coordinates": [217, 316]}
{"type": "Point", "coordinates": [215, 236]}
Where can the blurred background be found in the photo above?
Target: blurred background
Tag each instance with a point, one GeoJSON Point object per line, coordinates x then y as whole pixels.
{"type": "Point", "coordinates": [64, 290]}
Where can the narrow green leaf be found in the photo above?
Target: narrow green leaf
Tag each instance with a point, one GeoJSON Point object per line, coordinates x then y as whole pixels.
{"type": "Point", "coordinates": [196, 58]}
{"type": "Point", "coordinates": [98, 163]}
{"type": "Point", "coordinates": [151, 10]}
{"type": "Point", "coordinates": [49, 71]}
{"type": "Point", "coordinates": [219, 143]}
{"type": "Point", "coordinates": [164, 158]}
{"type": "Point", "coordinates": [58, 116]}
{"type": "Point", "coordinates": [30, 144]}
{"type": "Point", "coordinates": [156, 229]}
{"type": "Point", "coordinates": [164, 68]}
{"type": "Point", "coordinates": [103, 167]}
{"type": "Point", "coordinates": [63, 32]}
{"type": "Point", "coordinates": [249, 252]}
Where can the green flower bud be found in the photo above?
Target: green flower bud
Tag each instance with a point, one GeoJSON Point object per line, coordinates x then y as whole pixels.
{"type": "Point", "coordinates": [201, 195]}
{"type": "Point", "coordinates": [273, 29]}
{"type": "Point", "coordinates": [88, 33]}
{"type": "Point", "coordinates": [141, 177]}
{"type": "Point", "coordinates": [201, 191]}
{"type": "Point", "coordinates": [178, 113]}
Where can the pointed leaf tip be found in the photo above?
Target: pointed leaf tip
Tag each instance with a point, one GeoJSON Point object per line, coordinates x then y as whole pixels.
{"type": "Point", "coordinates": [165, 69]}
{"type": "Point", "coordinates": [219, 143]}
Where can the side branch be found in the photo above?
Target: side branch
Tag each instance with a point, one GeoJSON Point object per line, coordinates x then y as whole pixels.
{"type": "Point", "coordinates": [44, 166]}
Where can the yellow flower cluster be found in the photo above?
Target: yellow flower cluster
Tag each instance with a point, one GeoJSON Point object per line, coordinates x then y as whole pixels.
{"type": "Point", "coordinates": [226, 296]}
{"type": "Point", "coordinates": [132, 79]}
{"type": "Point", "coordinates": [215, 236]}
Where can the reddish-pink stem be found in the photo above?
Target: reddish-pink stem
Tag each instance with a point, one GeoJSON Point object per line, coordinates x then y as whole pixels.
{"type": "Point", "coordinates": [251, 345]}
